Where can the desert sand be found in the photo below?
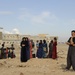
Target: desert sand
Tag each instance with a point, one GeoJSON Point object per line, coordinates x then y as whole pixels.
{"type": "Point", "coordinates": [36, 66]}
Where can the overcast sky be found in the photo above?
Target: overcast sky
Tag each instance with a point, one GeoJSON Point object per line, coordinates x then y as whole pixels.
{"type": "Point", "coordinates": [53, 17]}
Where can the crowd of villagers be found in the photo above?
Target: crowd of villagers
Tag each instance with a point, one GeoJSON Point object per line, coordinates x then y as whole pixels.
{"type": "Point", "coordinates": [44, 50]}
{"type": "Point", "coordinates": [28, 50]}
{"type": "Point", "coordinates": [7, 52]}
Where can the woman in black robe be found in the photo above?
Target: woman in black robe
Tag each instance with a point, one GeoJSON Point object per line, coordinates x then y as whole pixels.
{"type": "Point", "coordinates": [27, 48]}
{"type": "Point", "coordinates": [23, 50]}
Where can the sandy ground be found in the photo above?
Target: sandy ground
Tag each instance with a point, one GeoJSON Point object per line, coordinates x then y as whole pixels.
{"type": "Point", "coordinates": [36, 66]}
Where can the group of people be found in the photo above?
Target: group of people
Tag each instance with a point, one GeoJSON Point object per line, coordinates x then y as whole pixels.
{"type": "Point", "coordinates": [7, 52]}
{"type": "Point", "coordinates": [43, 50]}
{"type": "Point", "coordinates": [53, 49]}
{"type": "Point", "coordinates": [28, 49]}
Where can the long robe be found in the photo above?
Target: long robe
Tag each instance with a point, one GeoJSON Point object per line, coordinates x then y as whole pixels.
{"type": "Point", "coordinates": [27, 50]}
{"type": "Point", "coordinates": [23, 52]}
{"type": "Point", "coordinates": [40, 51]}
{"type": "Point", "coordinates": [50, 50]}
{"type": "Point", "coordinates": [54, 52]}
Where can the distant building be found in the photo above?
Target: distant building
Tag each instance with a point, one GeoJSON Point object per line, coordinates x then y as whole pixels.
{"type": "Point", "coordinates": [16, 38]}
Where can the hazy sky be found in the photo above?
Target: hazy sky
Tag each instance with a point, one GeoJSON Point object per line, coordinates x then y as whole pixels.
{"type": "Point", "coordinates": [53, 17]}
